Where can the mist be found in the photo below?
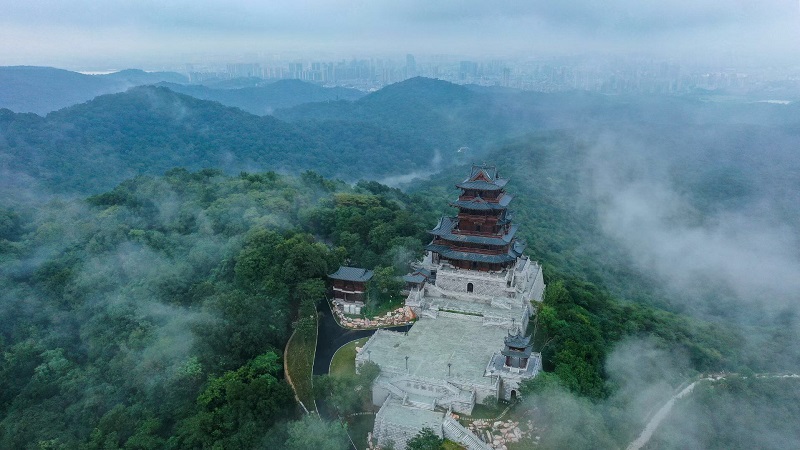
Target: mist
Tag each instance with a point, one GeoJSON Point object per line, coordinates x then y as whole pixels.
{"type": "Point", "coordinates": [699, 199]}
{"type": "Point", "coordinates": [746, 253]}
{"type": "Point", "coordinates": [90, 34]}
{"type": "Point", "coordinates": [711, 229]}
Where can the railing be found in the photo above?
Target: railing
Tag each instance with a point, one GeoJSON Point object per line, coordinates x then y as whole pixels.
{"type": "Point", "coordinates": [489, 273]}
{"type": "Point", "coordinates": [456, 432]}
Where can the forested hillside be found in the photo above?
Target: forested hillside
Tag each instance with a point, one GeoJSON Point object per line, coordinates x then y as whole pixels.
{"type": "Point", "coordinates": [267, 97]}
{"type": "Point", "coordinates": [155, 315]}
{"type": "Point", "coordinates": [148, 130]}
{"type": "Point", "coordinates": [151, 311]}
{"type": "Point", "coordinates": [413, 127]}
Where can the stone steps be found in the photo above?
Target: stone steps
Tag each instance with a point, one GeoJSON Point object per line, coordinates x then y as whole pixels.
{"type": "Point", "coordinates": [454, 431]}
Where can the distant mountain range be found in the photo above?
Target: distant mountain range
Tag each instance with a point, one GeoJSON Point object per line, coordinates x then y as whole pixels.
{"type": "Point", "coordinates": [266, 98]}
{"type": "Point", "coordinates": [413, 126]}
{"type": "Point", "coordinates": [92, 146]}
{"type": "Point", "coordinates": [409, 128]}
{"type": "Point", "coordinates": [42, 90]}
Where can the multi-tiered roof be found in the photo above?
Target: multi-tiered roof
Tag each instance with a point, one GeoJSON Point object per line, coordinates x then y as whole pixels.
{"type": "Point", "coordinates": [481, 236]}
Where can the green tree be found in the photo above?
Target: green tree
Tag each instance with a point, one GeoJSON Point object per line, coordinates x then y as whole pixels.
{"type": "Point", "coordinates": [425, 440]}
{"type": "Point", "coordinates": [236, 406]}
{"type": "Point", "coordinates": [385, 286]}
{"type": "Point", "coordinates": [311, 432]}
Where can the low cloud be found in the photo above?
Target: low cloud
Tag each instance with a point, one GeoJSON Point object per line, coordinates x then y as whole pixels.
{"type": "Point", "coordinates": [748, 255]}
{"type": "Point", "coordinates": [110, 32]}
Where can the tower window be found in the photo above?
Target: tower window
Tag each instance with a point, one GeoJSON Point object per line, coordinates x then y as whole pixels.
{"type": "Point", "coordinates": [470, 287]}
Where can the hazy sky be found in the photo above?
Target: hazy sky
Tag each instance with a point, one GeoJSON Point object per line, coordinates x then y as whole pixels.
{"type": "Point", "coordinates": [118, 32]}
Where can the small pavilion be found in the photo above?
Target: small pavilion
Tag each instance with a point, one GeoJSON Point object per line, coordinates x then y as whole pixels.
{"type": "Point", "coordinates": [350, 287]}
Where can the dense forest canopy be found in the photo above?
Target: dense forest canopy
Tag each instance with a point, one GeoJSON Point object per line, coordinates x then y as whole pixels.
{"type": "Point", "coordinates": [90, 147]}
{"type": "Point", "coordinates": [155, 314]}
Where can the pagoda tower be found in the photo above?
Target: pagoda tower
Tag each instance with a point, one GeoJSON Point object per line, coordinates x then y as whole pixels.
{"type": "Point", "coordinates": [481, 237]}
{"type": "Point", "coordinates": [518, 351]}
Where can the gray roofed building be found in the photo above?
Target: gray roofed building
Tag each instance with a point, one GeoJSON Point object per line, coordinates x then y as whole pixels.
{"type": "Point", "coordinates": [414, 278]}
{"type": "Point", "coordinates": [357, 274]}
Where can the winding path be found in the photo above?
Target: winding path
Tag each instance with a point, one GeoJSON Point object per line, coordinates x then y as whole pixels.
{"type": "Point", "coordinates": [331, 336]}
{"type": "Point", "coordinates": [659, 417]}
{"type": "Point", "coordinates": [664, 411]}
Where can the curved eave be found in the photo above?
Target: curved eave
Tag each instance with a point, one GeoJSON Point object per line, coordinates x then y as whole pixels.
{"type": "Point", "coordinates": [354, 274]}
{"type": "Point", "coordinates": [444, 230]}
{"type": "Point", "coordinates": [449, 253]}
{"type": "Point", "coordinates": [518, 341]}
{"type": "Point", "coordinates": [482, 205]}
{"type": "Point", "coordinates": [514, 353]}
{"type": "Point", "coordinates": [481, 185]}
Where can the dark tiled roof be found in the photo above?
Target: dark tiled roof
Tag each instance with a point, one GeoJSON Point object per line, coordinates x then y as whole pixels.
{"type": "Point", "coordinates": [482, 185]}
{"type": "Point", "coordinates": [414, 278]}
{"type": "Point", "coordinates": [425, 272]}
{"type": "Point", "coordinates": [518, 340]}
{"type": "Point", "coordinates": [417, 276]}
{"type": "Point", "coordinates": [479, 204]}
{"type": "Point", "coordinates": [352, 274]}
{"type": "Point", "coordinates": [523, 354]}
{"type": "Point", "coordinates": [445, 230]}
{"type": "Point", "coordinates": [449, 253]}
{"type": "Point", "coordinates": [488, 171]}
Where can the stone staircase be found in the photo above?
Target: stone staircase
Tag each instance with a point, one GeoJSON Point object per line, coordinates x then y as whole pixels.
{"type": "Point", "coordinates": [394, 390]}
{"type": "Point", "coordinates": [419, 404]}
{"type": "Point", "coordinates": [455, 432]}
{"type": "Point", "coordinates": [456, 395]}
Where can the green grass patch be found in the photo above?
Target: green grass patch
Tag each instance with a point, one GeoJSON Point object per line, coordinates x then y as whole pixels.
{"type": "Point", "coordinates": [373, 310]}
{"type": "Point", "coordinates": [343, 367]}
{"type": "Point", "coordinates": [487, 412]}
{"type": "Point", "coordinates": [344, 360]}
{"type": "Point", "coordinates": [300, 363]}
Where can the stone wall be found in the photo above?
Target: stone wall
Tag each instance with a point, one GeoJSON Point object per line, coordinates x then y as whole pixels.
{"type": "Point", "coordinates": [538, 287]}
{"type": "Point", "coordinates": [397, 423]}
{"type": "Point", "coordinates": [483, 284]}
{"type": "Point", "coordinates": [379, 394]}
{"type": "Point", "coordinates": [386, 432]}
